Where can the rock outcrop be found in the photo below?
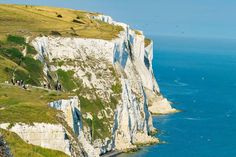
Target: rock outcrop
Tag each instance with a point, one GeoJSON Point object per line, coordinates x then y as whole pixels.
{"type": "Point", "coordinates": [45, 135]}
{"type": "Point", "coordinates": [73, 118]}
{"type": "Point", "coordinates": [157, 104]}
{"type": "Point", "coordinates": [143, 59]}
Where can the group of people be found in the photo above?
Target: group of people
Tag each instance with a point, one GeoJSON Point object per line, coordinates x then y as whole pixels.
{"type": "Point", "coordinates": [20, 83]}
{"type": "Point", "coordinates": [57, 86]}
{"type": "Point", "coordinates": [47, 85]}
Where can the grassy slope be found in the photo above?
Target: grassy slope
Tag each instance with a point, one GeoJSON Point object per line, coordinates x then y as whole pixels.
{"type": "Point", "coordinates": [35, 20]}
{"type": "Point", "coordinates": [19, 148]}
{"type": "Point", "coordinates": [27, 106]}
{"type": "Point", "coordinates": [13, 63]}
{"type": "Point", "coordinates": [6, 63]}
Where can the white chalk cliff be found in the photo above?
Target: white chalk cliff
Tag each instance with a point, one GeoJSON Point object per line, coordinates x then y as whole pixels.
{"type": "Point", "coordinates": [130, 123]}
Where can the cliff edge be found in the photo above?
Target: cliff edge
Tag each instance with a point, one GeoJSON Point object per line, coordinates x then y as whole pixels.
{"type": "Point", "coordinates": [98, 85]}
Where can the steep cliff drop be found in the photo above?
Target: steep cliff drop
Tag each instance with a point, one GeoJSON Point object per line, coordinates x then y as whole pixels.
{"type": "Point", "coordinates": [114, 91]}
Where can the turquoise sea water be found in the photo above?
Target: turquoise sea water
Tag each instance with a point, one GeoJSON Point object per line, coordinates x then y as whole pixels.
{"type": "Point", "coordinates": [199, 77]}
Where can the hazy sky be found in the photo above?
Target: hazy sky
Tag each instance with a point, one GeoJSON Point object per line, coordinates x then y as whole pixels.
{"type": "Point", "coordinates": [198, 18]}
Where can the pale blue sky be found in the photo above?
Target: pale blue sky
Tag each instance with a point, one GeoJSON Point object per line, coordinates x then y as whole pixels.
{"type": "Point", "coordinates": [195, 18]}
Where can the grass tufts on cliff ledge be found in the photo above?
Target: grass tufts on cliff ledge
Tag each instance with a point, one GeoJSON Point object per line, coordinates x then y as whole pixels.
{"type": "Point", "coordinates": [26, 20]}
{"type": "Point", "coordinates": [147, 42]}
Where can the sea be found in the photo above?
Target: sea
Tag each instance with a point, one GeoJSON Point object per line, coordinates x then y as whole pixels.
{"type": "Point", "coordinates": [199, 76]}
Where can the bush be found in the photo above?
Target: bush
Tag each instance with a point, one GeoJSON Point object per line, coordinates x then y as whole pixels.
{"type": "Point", "coordinates": [30, 49]}
{"type": "Point", "coordinates": [35, 69]}
{"type": "Point", "coordinates": [13, 54]}
{"type": "Point", "coordinates": [16, 39]}
{"type": "Point", "coordinates": [21, 75]}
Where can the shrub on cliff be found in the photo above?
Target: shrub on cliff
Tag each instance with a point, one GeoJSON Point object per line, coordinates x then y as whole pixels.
{"type": "Point", "coordinates": [16, 39]}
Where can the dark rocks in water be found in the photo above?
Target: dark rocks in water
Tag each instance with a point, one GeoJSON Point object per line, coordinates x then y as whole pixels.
{"type": "Point", "coordinates": [4, 149]}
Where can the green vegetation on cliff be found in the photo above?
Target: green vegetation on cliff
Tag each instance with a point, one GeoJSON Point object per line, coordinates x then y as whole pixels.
{"type": "Point", "coordinates": [98, 127]}
{"type": "Point", "coordinates": [14, 64]}
{"type": "Point", "coordinates": [66, 78]}
{"type": "Point", "coordinates": [116, 88]}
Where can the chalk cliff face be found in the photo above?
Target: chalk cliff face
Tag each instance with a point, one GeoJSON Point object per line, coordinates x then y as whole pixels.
{"type": "Point", "coordinates": [157, 103]}
{"type": "Point", "coordinates": [45, 135]}
{"type": "Point", "coordinates": [119, 69]}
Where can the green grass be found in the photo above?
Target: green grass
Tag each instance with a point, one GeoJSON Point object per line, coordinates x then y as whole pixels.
{"type": "Point", "coordinates": [16, 39]}
{"type": "Point", "coordinates": [99, 129]}
{"type": "Point", "coordinates": [116, 88]}
{"type": "Point", "coordinates": [34, 68]}
{"type": "Point", "coordinates": [35, 20]}
{"type": "Point", "coordinates": [19, 148]}
{"type": "Point", "coordinates": [27, 106]}
{"type": "Point", "coordinates": [30, 50]}
{"type": "Point", "coordinates": [6, 67]}
{"type": "Point", "coordinates": [94, 106]}
{"type": "Point", "coordinates": [12, 53]}
{"type": "Point", "coordinates": [66, 79]}
{"type": "Point", "coordinates": [13, 62]}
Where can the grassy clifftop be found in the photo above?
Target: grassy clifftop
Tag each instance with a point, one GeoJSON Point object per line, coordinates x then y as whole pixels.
{"type": "Point", "coordinates": [27, 106]}
{"type": "Point", "coordinates": [36, 20]}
